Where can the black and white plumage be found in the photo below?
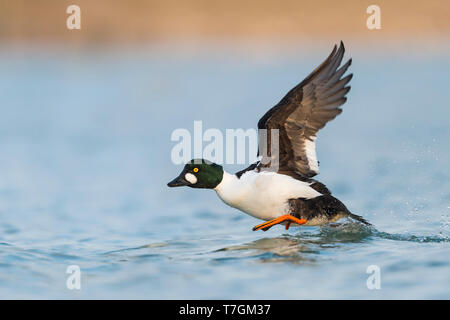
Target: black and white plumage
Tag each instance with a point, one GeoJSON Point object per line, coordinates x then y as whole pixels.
{"type": "Point", "coordinates": [279, 188]}
{"type": "Point", "coordinates": [302, 112]}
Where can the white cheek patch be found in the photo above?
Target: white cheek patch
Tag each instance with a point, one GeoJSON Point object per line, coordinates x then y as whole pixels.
{"type": "Point", "coordinates": [191, 178]}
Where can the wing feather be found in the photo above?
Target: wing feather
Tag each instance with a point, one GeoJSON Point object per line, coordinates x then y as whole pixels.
{"type": "Point", "coordinates": [303, 112]}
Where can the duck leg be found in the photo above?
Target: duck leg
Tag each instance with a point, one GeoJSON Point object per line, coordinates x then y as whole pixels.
{"type": "Point", "coordinates": [284, 218]}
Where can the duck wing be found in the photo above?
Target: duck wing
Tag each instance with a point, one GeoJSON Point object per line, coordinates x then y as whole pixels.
{"type": "Point", "coordinates": [301, 114]}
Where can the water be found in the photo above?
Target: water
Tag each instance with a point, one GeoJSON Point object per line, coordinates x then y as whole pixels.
{"type": "Point", "coordinates": [85, 158]}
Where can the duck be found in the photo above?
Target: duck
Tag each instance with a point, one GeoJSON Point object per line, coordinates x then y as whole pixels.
{"type": "Point", "coordinates": [280, 188]}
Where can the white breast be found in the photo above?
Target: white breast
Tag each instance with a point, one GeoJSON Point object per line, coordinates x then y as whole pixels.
{"type": "Point", "coordinates": [263, 195]}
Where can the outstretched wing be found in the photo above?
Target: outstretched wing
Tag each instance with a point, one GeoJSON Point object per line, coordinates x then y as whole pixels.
{"type": "Point", "coordinates": [304, 111]}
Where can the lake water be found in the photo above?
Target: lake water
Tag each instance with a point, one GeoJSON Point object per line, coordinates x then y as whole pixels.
{"type": "Point", "coordinates": [85, 158]}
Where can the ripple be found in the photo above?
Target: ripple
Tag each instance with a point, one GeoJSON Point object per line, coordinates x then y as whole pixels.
{"type": "Point", "coordinates": [412, 238]}
{"type": "Point", "coordinates": [357, 232]}
{"type": "Point", "coordinates": [309, 243]}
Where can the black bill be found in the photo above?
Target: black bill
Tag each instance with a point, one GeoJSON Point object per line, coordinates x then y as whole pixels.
{"type": "Point", "coordinates": [179, 181]}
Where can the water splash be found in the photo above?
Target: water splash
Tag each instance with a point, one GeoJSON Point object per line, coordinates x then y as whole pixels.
{"type": "Point", "coordinates": [357, 232]}
{"type": "Point", "coordinates": [411, 238]}
{"type": "Point", "coordinates": [310, 241]}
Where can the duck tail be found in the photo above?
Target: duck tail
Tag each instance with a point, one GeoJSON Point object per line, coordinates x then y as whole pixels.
{"type": "Point", "coordinates": [359, 218]}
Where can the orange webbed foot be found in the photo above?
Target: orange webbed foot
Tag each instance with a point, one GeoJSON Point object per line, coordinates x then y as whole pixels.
{"type": "Point", "coordinates": [287, 217]}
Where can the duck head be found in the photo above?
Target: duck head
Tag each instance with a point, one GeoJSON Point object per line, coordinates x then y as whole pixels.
{"type": "Point", "coordinates": [199, 173]}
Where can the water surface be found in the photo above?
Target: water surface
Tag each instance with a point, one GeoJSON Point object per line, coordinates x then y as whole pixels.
{"type": "Point", "coordinates": [85, 158]}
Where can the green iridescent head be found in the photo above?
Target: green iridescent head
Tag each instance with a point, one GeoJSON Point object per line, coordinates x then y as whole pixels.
{"type": "Point", "coordinates": [199, 173]}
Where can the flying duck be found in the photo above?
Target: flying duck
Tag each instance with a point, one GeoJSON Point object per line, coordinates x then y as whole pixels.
{"type": "Point", "coordinates": [279, 188]}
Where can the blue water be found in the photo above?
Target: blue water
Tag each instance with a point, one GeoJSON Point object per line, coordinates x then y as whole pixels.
{"type": "Point", "coordinates": [85, 158]}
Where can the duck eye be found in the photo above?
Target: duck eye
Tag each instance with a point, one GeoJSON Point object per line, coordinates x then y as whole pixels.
{"type": "Point", "coordinates": [195, 170]}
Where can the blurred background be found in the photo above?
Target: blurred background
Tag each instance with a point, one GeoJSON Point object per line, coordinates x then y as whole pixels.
{"type": "Point", "coordinates": [85, 123]}
{"type": "Point", "coordinates": [268, 22]}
